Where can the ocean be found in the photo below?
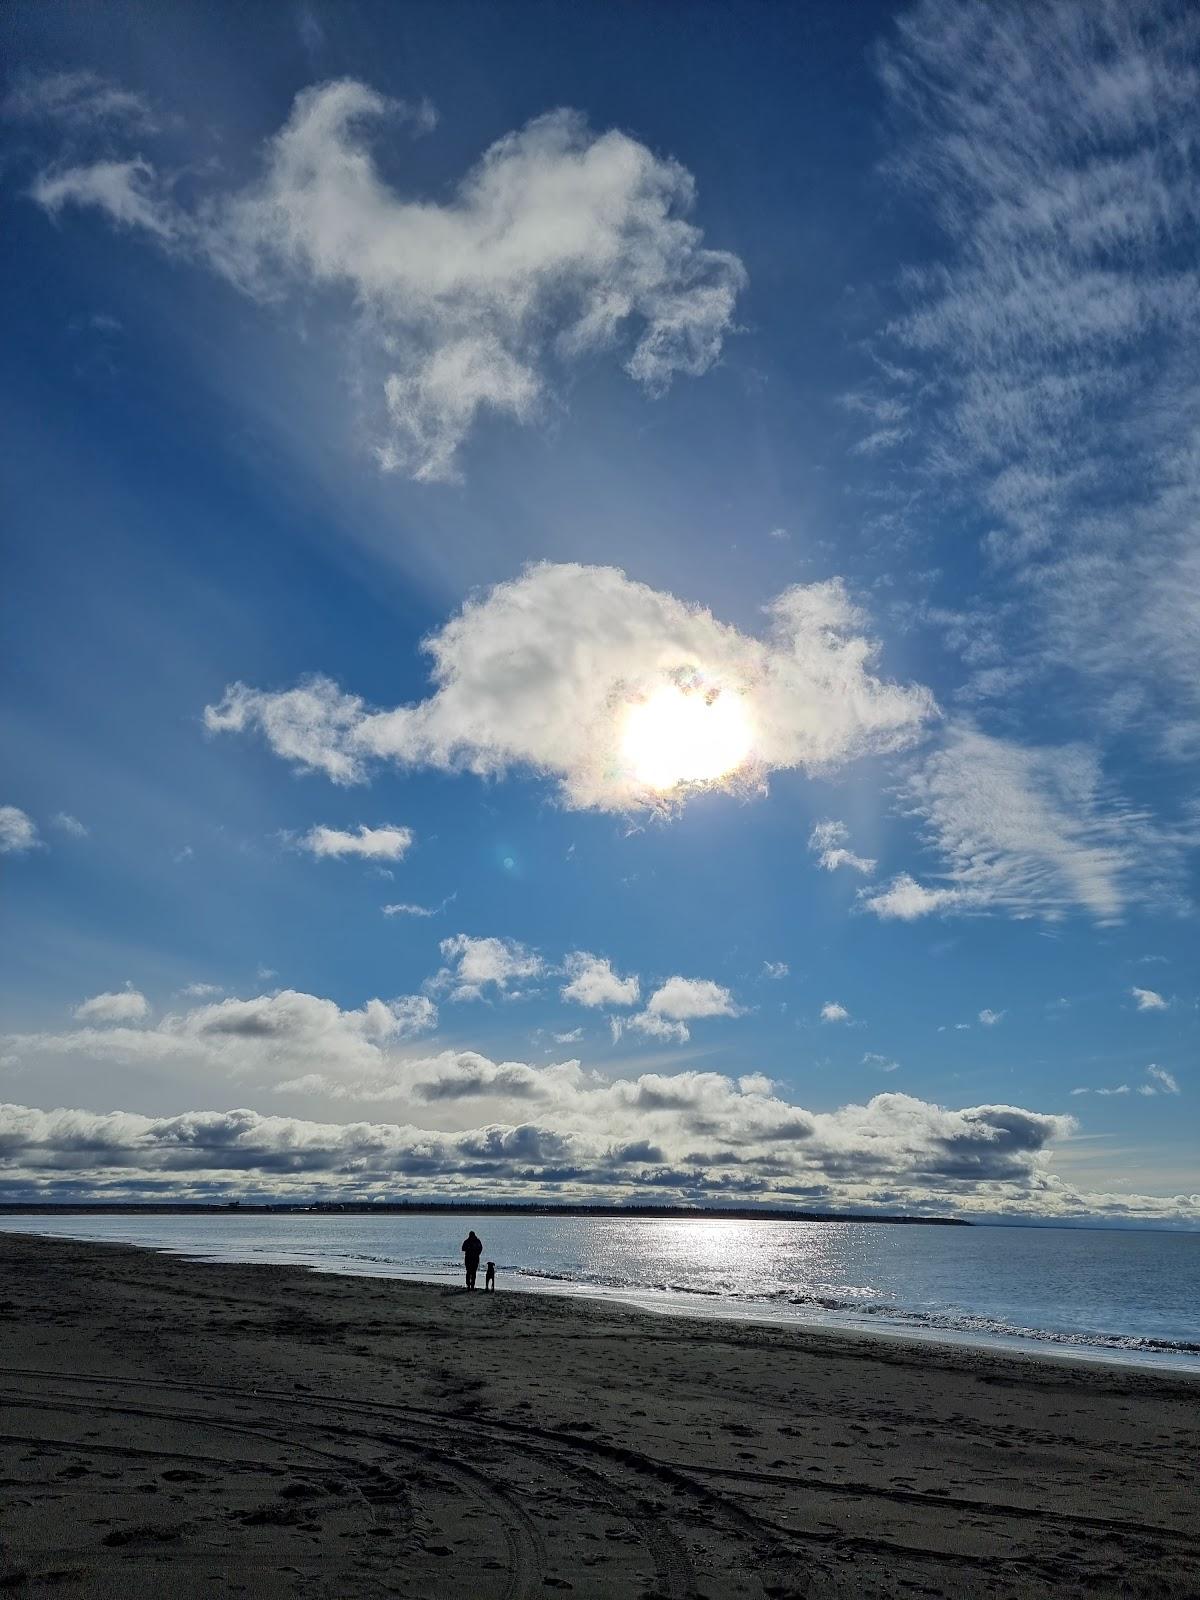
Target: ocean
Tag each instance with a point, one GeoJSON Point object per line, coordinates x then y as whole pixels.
{"type": "Point", "coordinates": [1114, 1296]}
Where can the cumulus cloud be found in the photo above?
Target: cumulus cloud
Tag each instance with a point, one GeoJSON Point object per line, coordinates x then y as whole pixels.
{"type": "Point", "coordinates": [121, 1005]}
{"type": "Point", "coordinates": [1148, 999]}
{"type": "Point", "coordinates": [559, 243]}
{"type": "Point", "coordinates": [674, 1004]}
{"type": "Point", "coordinates": [386, 843]}
{"type": "Point", "coordinates": [545, 673]}
{"type": "Point", "coordinates": [828, 842]}
{"type": "Point", "coordinates": [1031, 831]}
{"type": "Point", "coordinates": [832, 1011]}
{"type": "Point", "coordinates": [478, 965]}
{"type": "Point", "coordinates": [592, 982]}
{"type": "Point", "coordinates": [18, 832]}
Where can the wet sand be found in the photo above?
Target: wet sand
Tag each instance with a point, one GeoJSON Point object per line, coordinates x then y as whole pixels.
{"type": "Point", "coordinates": [175, 1429]}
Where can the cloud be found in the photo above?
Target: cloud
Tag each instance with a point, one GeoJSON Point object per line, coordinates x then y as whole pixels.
{"type": "Point", "coordinates": [597, 1135]}
{"type": "Point", "coordinates": [673, 1005]}
{"type": "Point", "coordinates": [828, 840]}
{"type": "Point", "coordinates": [572, 1036]}
{"type": "Point", "coordinates": [1030, 831]}
{"type": "Point", "coordinates": [202, 991]}
{"type": "Point", "coordinates": [883, 1063]}
{"type": "Point", "coordinates": [1055, 147]}
{"type": "Point", "coordinates": [404, 909]}
{"type": "Point", "coordinates": [991, 1018]}
{"type": "Point", "coordinates": [592, 982]}
{"type": "Point", "coordinates": [78, 101]}
{"type": "Point", "coordinates": [122, 1005]}
{"type": "Point", "coordinates": [1149, 1000]}
{"type": "Point", "coordinates": [460, 1122]}
{"type": "Point", "coordinates": [1164, 1082]}
{"type": "Point", "coordinates": [480, 964]}
{"type": "Point", "coordinates": [775, 970]}
{"type": "Point", "coordinates": [18, 832]}
{"type": "Point", "coordinates": [69, 824]}
{"type": "Point", "coordinates": [831, 1011]}
{"type": "Point", "coordinates": [544, 672]}
{"type": "Point", "coordinates": [558, 244]}
{"type": "Point", "coordinates": [386, 843]}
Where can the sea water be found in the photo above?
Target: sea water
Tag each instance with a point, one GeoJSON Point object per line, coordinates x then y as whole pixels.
{"type": "Point", "coordinates": [1117, 1296]}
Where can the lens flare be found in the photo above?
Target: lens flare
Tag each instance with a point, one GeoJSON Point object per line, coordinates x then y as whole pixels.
{"type": "Point", "coordinates": [682, 734]}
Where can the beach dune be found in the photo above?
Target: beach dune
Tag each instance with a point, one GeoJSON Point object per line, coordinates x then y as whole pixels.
{"type": "Point", "coordinates": [172, 1428]}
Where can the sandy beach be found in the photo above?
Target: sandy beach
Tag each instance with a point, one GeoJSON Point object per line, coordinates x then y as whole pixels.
{"type": "Point", "coordinates": [173, 1428]}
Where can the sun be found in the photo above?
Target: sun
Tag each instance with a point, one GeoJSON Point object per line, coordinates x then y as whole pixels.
{"type": "Point", "coordinates": [685, 734]}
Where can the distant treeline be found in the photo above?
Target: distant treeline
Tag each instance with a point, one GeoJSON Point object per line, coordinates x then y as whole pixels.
{"type": "Point", "coordinates": [474, 1208]}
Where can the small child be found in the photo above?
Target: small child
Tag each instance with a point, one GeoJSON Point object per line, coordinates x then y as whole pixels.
{"type": "Point", "coordinates": [489, 1277]}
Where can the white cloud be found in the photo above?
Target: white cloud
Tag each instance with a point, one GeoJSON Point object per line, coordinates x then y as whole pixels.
{"type": "Point", "coordinates": [507, 1127]}
{"type": "Point", "coordinates": [990, 1018]}
{"type": "Point", "coordinates": [78, 101]}
{"type": "Point", "coordinates": [1056, 146]}
{"type": "Point", "coordinates": [121, 1005]}
{"type": "Point", "coordinates": [883, 1063]}
{"type": "Point", "coordinates": [1028, 831]}
{"type": "Point", "coordinates": [559, 243]}
{"type": "Point", "coordinates": [1164, 1082]}
{"type": "Point", "coordinates": [828, 842]}
{"type": "Point", "coordinates": [386, 843]}
{"type": "Point", "coordinates": [544, 672]}
{"type": "Point", "coordinates": [673, 1005]}
{"type": "Point", "coordinates": [1148, 1000]}
{"type": "Point", "coordinates": [832, 1011]}
{"type": "Point", "coordinates": [202, 991]}
{"type": "Point", "coordinates": [18, 832]}
{"type": "Point", "coordinates": [69, 824]}
{"type": "Point", "coordinates": [481, 964]}
{"type": "Point", "coordinates": [775, 970]}
{"type": "Point", "coordinates": [403, 908]}
{"type": "Point", "coordinates": [592, 982]}
{"type": "Point", "coordinates": [572, 1036]}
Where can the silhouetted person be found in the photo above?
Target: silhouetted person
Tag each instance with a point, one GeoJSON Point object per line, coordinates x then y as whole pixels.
{"type": "Point", "coordinates": [472, 1249]}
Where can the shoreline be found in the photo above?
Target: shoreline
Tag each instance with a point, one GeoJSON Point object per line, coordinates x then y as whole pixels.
{"type": "Point", "coordinates": [693, 1305]}
{"type": "Point", "coordinates": [173, 1425]}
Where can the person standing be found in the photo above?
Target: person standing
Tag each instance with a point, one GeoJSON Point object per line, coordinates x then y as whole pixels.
{"type": "Point", "coordinates": [472, 1249]}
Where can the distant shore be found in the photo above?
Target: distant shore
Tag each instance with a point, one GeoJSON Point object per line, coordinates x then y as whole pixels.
{"type": "Point", "coordinates": [459, 1208]}
{"type": "Point", "coordinates": [179, 1427]}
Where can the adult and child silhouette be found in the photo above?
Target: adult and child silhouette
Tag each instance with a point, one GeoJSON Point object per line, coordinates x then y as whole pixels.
{"type": "Point", "coordinates": [472, 1249]}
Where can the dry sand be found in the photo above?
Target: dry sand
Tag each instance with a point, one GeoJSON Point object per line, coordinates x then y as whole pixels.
{"type": "Point", "coordinates": [171, 1428]}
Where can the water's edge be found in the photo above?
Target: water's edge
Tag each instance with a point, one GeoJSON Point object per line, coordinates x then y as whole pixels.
{"type": "Point", "coordinates": [805, 1314]}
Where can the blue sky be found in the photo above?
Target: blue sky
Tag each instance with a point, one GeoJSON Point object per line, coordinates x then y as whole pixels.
{"type": "Point", "coordinates": [708, 505]}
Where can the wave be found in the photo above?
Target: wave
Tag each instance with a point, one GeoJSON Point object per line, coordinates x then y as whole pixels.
{"type": "Point", "coordinates": [857, 1311]}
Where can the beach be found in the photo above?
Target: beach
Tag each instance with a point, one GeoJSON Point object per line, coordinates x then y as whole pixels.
{"type": "Point", "coordinates": [178, 1428]}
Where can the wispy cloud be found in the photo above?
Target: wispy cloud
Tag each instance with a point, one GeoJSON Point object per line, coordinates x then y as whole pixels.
{"type": "Point", "coordinates": [834, 1011]}
{"type": "Point", "coordinates": [990, 1018]}
{"type": "Point", "coordinates": [828, 842]}
{"type": "Point", "coordinates": [1149, 999]}
{"type": "Point", "coordinates": [1056, 146]}
{"type": "Point", "coordinates": [1031, 831]}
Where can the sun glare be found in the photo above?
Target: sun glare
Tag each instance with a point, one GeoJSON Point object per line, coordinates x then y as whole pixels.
{"type": "Point", "coordinates": [685, 735]}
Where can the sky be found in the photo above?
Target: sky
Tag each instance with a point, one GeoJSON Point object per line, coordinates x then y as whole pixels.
{"type": "Point", "coordinates": [603, 603]}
